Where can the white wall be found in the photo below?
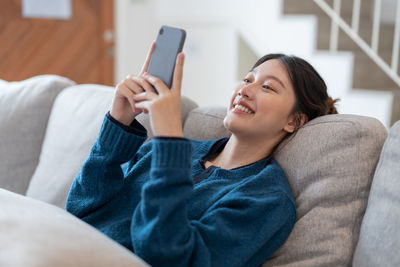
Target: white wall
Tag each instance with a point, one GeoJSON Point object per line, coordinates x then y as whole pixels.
{"type": "Point", "coordinates": [135, 29]}
{"type": "Point", "coordinates": [210, 44]}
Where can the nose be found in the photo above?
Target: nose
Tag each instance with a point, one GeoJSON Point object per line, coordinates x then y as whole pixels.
{"type": "Point", "coordinates": [245, 91]}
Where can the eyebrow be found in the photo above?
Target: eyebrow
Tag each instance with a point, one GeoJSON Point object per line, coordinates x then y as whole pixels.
{"type": "Point", "coordinates": [270, 77]}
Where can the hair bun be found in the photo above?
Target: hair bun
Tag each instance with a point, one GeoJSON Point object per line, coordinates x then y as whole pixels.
{"type": "Point", "coordinates": [330, 103]}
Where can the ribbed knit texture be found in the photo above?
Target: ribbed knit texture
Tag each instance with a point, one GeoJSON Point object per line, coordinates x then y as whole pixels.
{"type": "Point", "coordinates": [171, 153]}
{"type": "Point", "coordinates": [113, 138]}
{"type": "Point", "coordinates": [234, 217]}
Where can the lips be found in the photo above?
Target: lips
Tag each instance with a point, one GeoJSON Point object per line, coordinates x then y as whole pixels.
{"type": "Point", "coordinates": [244, 104]}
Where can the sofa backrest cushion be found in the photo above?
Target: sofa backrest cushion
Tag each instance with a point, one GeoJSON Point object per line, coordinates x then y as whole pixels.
{"type": "Point", "coordinates": [205, 123]}
{"type": "Point", "coordinates": [34, 233]}
{"type": "Point", "coordinates": [329, 164]}
{"type": "Point", "coordinates": [73, 127]}
{"type": "Point", "coordinates": [379, 242]}
{"type": "Point", "coordinates": [24, 111]}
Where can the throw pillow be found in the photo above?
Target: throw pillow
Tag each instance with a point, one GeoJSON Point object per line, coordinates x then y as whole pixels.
{"type": "Point", "coordinates": [24, 110]}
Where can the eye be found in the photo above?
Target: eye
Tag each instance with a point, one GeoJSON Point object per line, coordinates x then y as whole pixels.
{"type": "Point", "coordinates": [245, 80]}
{"type": "Point", "coordinates": [266, 86]}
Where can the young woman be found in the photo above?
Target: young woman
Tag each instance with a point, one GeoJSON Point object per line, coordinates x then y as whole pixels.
{"type": "Point", "coordinates": [182, 202]}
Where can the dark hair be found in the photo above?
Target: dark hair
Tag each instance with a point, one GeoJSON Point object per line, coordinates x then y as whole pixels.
{"type": "Point", "coordinates": [312, 98]}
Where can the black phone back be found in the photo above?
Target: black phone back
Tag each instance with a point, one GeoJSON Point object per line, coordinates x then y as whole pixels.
{"type": "Point", "coordinates": [169, 44]}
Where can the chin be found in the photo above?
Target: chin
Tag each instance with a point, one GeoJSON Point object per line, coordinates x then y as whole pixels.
{"type": "Point", "coordinates": [232, 125]}
{"type": "Point", "coordinates": [228, 123]}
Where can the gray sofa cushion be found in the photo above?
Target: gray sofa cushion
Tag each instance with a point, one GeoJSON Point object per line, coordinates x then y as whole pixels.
{"type": "Point", "coordinates": [34, 233]}
{"type": "Point", "coordinates": [24, 111]}
{"type": "Point", "coordinates": [379, 242]}
{"type": "Point", "coordinates": [205, 123]}
{"type": "Point", "coordinates": [73, 127]}
{"type": "Point", "coordinates": [329, 164]}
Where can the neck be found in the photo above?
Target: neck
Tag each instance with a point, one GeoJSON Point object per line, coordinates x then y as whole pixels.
{"type": "Point", "coordinates": [243, 151]}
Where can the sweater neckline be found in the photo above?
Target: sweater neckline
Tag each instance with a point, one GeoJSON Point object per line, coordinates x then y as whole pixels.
{"type": "Point", "coordinates": [215, 146]}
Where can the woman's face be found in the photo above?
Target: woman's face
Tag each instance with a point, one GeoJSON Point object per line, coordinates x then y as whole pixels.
{"type": "Point", "coordinates": [260, 106]}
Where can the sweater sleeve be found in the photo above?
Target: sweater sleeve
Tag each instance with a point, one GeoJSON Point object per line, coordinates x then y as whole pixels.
{"type": "Point", "coordinates": [241, 229]}
{"type": "Point", "coordinates": [101, 176]}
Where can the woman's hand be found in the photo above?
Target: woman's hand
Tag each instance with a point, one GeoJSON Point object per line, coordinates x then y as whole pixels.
{"type": "Point", "coordinates": [123, 106]}
{"type": "Point", "coordinates": [164, 108]}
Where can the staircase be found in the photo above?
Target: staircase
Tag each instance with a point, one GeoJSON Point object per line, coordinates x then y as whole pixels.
{"type": "Point", "coordinates": [367, 75]}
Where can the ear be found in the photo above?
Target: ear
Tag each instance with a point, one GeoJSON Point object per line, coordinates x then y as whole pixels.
{"type": "Point", "coordinates": [295, 122]}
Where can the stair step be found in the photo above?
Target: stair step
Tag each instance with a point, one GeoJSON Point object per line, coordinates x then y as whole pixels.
{"type": "Point", "coordinates": [342, 63]}
{"type": "Point", "coordinates": [368, 75]}
{"type": "Point", "coordinates": [368, 103]}
{"type": "Point", "coordinates": [324, 24]}
{"type": "Point", "coordinates": [309, 7]}
{"type": "Point", "coordinates": [386, 33]}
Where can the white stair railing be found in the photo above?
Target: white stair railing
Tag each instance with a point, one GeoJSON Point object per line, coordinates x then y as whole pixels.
{"type": "Point", "coordinates": [352, 31]}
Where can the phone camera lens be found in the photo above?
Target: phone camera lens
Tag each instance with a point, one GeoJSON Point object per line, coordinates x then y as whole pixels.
{"type": "Point", "coordinates": [161, 31]}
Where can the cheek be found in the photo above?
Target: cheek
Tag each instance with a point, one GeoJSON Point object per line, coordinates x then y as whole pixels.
{"type": "Point", "coordinates": [274, 110]}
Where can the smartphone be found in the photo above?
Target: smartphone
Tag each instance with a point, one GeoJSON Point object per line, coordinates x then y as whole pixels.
{"type": "Point", "coordinates": [169, 44]}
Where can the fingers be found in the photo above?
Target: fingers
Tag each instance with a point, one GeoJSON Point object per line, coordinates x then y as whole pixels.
{"type": "Point", "coordinates": [128, 88]}
{"type": "Point", "coordinates": [148, 57]}
{"type": "Point", "coordinates": [133, 85]}
{"type": "Point", "coordinates": [138, 84]}
{"type": "Point", "coordinates": [145, 96]}
{"type": "Point", "coordinates": [128, 94]}
{"type": "Point", "coordinates": [144, 105]}
{"type": "Point", "coordinates": [144, 84]}
{"type": "Point", "coordinates": [178, 73]}
{"type": "Point", "coordinates": [161, 87]}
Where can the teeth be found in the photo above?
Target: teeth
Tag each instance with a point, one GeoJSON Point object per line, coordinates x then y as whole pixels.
{"type": "Point", "coordinates": [242, 108]}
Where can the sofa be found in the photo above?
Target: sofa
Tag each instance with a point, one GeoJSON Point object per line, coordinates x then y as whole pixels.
{"type": "Point", "coordinates": [343, 170]}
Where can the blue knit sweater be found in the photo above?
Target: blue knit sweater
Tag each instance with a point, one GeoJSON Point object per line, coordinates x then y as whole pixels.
{"type": "Point", "coordinates": [236, 217]}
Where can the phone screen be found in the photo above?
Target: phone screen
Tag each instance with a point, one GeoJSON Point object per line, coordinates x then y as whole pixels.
{"type": "Point", "coordinates": [169, 44]}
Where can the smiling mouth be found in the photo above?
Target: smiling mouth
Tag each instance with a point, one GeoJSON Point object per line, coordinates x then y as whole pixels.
{"type": "Point", "coordinates": [242, 108]}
